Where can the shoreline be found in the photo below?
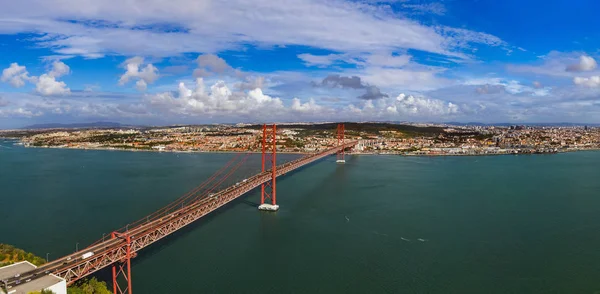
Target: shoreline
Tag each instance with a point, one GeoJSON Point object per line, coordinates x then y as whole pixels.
{"type": "Point", "coordinates": [296, 152]}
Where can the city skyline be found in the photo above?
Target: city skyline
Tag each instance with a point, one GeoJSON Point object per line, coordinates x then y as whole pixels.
{"type": "Point", "coordinates": [190, 62]}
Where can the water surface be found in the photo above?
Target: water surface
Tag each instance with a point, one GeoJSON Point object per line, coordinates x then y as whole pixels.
{"type": "Point", "coordinates": [378, 224]}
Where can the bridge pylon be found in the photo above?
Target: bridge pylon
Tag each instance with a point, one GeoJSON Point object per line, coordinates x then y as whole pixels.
{"type": "Point", "coordinates": [340, 142]}
{"type": "Point", "coordinates": [268, 190]}
{"type": "Point", "coordinates": [121, 270]}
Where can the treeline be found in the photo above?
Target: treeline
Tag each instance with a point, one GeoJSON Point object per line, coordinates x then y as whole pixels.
{"type": "Point", "coordinates": [10, 254]}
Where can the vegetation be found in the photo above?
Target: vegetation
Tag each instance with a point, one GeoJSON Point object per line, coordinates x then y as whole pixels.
{"type": "Point", "coordinates": [358, 128]}
{"type": "Point", "coordinates": [89, 286]}
{"type": "Point", "coordinates": [10, 254]}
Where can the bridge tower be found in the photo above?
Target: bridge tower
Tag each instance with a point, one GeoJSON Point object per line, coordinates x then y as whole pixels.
{"type": "Point", "coordinates": [268, 190]}
{"type": "Point", "coordinates": [340, 141]}
{"type": "Point", "coordinates": [121, 270]}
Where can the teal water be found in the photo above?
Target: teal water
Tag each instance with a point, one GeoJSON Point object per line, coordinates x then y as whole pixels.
{"type": "Point", "coordinates": [498, 224]}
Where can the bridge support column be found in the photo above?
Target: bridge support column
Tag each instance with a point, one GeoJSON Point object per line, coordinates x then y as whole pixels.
{"type": "Point", "coordinates": [121, 270]}
{"type": "Point", "coordinates": [268, 190]}
{"type": "Point", "coordinates": [340, 142]}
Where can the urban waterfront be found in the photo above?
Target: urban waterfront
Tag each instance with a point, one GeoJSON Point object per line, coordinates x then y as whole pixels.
{"type": "Point", "coordinates": [378, 224]}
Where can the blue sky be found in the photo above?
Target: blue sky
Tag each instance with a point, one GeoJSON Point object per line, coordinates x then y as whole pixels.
{"type": "Point", "coordinates": [207, 61]}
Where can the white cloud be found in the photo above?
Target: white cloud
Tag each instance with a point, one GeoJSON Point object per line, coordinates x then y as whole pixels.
{"type": "Point", "coordinates": [424, 106]}
{"type": "Point", "coordinates": [384, 69]}
{"type": "Point", "coordinates": [213, 63]}
{"type": "Point", "coordinates": [402, 107]}
{"type": "Point", "coordinates": [592, 82]}
{"type": "Point", "coordinates": [47, 85]}
{"type": "Point", "coordinates": [220, 100]}
{"type": "Point", "coordinates": [19, 112]}
{"type": "Point", "coordinates": [379, 59]}
{"type": "Point", "coordinates": [404, 79]}
{"type": "Point", "coordinates": [388, 60]}
{"type": "Point", "coordinates": [59, 69]}
{"type": "Point", "coordinates": [463, 38]}
{"type": "Point", "coordinates": [16, 75]}
{"type": "Point", "coordinates": [135, 69]}
{"type": "Point", "coordinates": [559, 64]}
{"type": "Point", "coordinates": [96, 28]}
{"type": "Point", "coordinates": [497, 85]}
{"type": "Point", "coordinates": [252, 83]}
{"type": "Point", "coordinates": [586, 63]}
{"type": "Point", "coordinates": [141, 85]}
{"type": "Point", "coordinates": [434, 8]}
{"type": "Point", "coordinates": [310, 107]}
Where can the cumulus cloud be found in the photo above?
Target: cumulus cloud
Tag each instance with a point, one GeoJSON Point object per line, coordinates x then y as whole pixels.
{"type": "Point", "coordinates": [372, 93]}
{"type": "Point", "coordinates": [403, 107]}
{"type": "Point", "coordinates": [211, 64]}
{"type": "Point", "coordinates": [16, 75]}
{"type": "Point", "coordinates": [425, 106]}
{"type": "Point", "coordinates": [251, 83]}
{"type": "Point", "coordinates": [46, 84]}
{"type": "Point", "coordinates": [59, 69]}
{"type": "Point", "coordinates": [141, 85]}
{"type": "Point", "coordinates": [591, 82]}
{"type": "Point", "coordinates": [135, 70]}
{"type": "Point", "coordinates": [352, 82]}
{"type": "Point", "coordinates": [218, 100]}
{"type": "Point", "coordinates": [586, 63]}
{"type": "Point", "coordinates": [310, 107]}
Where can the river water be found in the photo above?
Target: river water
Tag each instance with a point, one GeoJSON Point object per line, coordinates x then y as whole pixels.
{"type": "Point", "coordinates": [378, 224]}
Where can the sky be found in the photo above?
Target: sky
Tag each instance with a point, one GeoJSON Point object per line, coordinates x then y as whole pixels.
{"type": "Point", "coordinates": [157, 62]}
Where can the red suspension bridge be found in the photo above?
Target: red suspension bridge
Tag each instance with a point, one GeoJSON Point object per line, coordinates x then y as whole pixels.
{"type": "Point", "coordinates": [124, 243]}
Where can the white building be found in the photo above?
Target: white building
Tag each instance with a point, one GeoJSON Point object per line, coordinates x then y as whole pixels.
{"type": "Point", "coordinates": [51, 282]}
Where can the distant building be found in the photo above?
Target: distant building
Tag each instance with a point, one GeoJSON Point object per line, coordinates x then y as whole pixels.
{"type": "Point", "coordinates": [51, 282]}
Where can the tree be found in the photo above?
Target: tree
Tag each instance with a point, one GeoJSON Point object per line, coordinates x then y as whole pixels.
{"type": "Point", "coordinates": [89, 286]}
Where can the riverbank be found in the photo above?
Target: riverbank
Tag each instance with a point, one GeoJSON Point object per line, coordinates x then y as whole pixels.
{"type": "Point", "coordinates": [511, 152]}
{"type": "Point", "coordinates": [307, 153]}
